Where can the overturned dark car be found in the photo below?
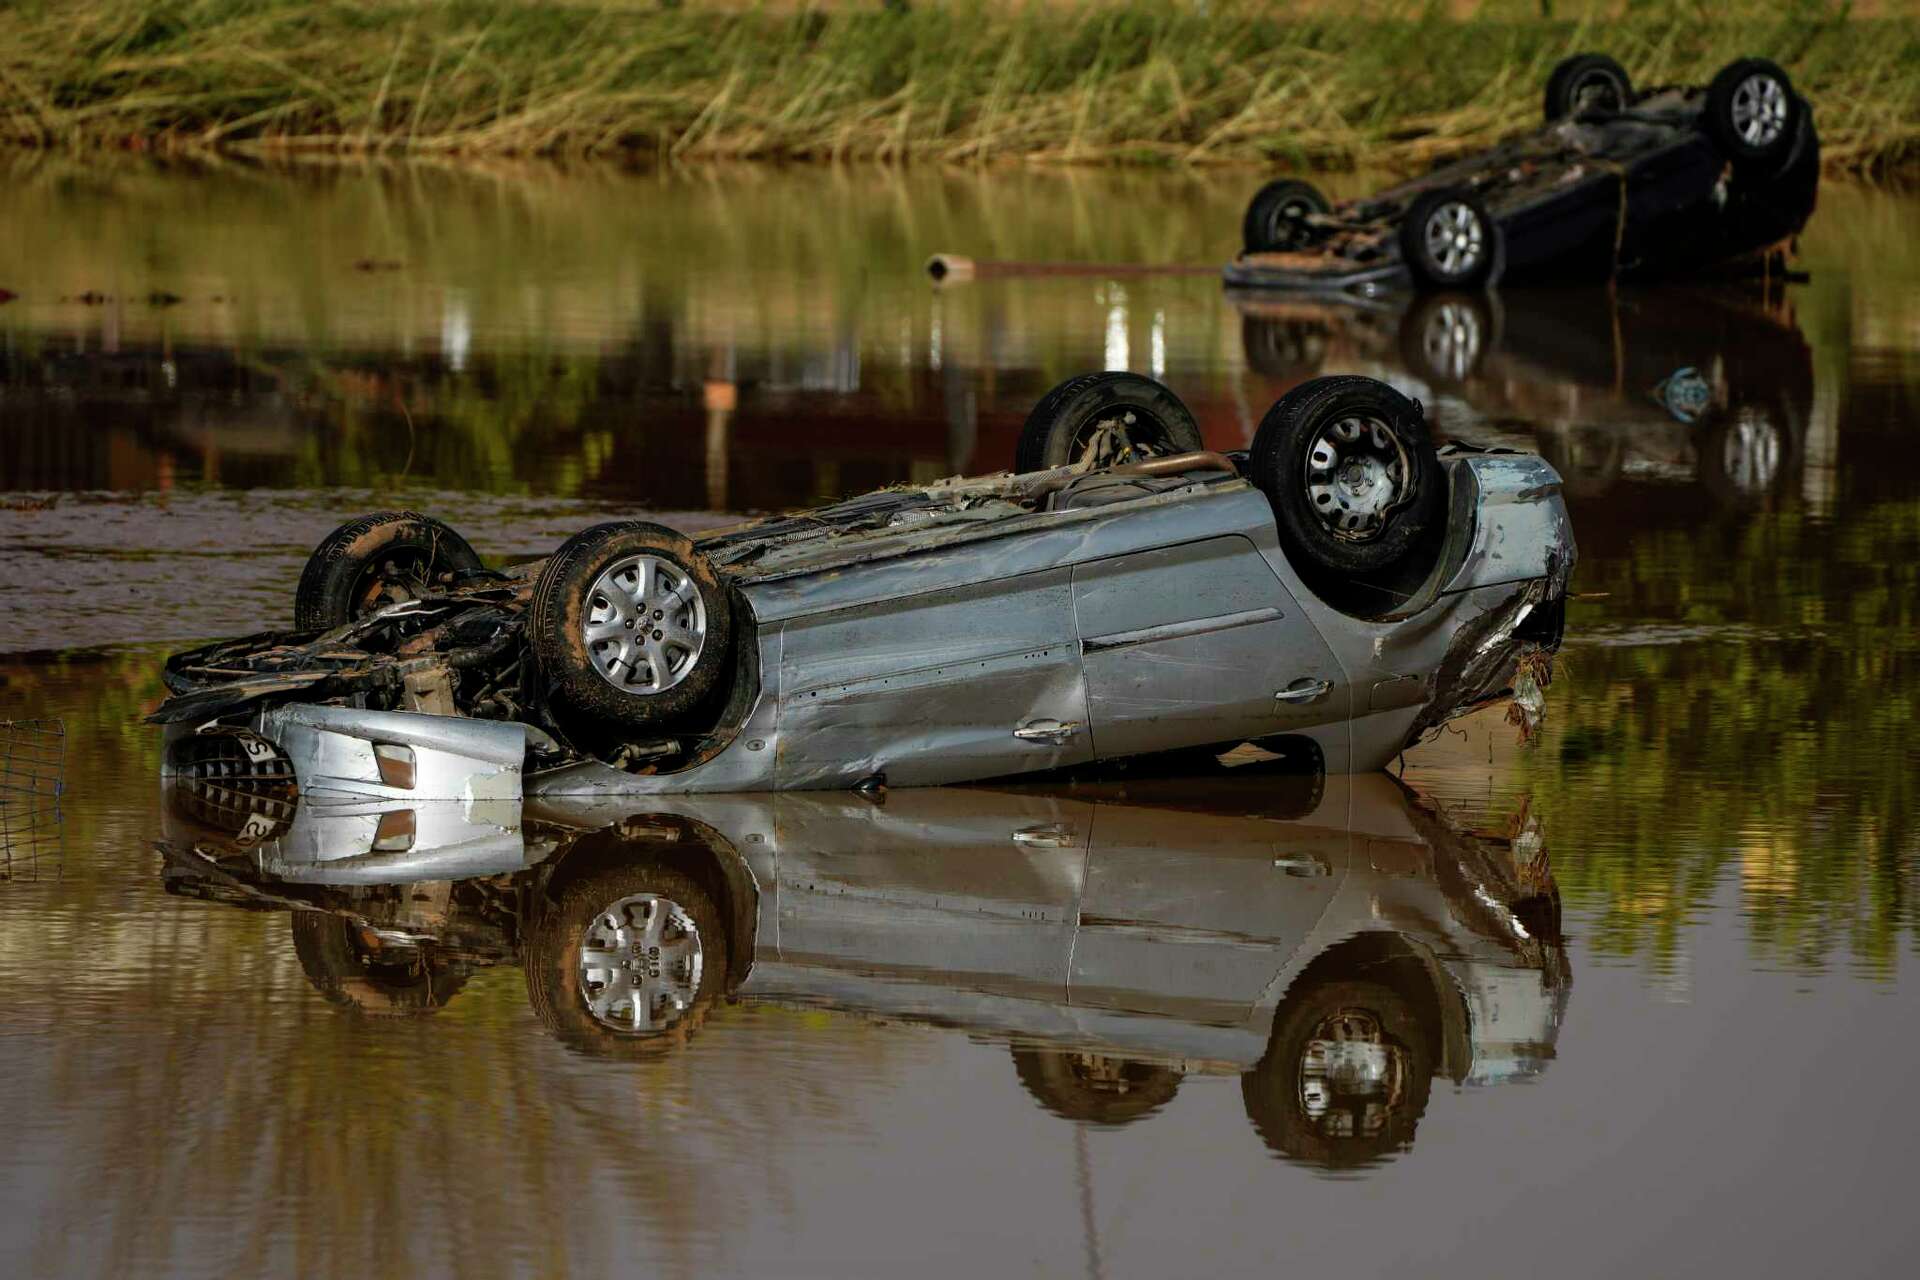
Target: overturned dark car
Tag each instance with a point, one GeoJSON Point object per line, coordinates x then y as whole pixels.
{"type": "Point", "coordinates": [1343, 586]}
{"type": "Point", "coordinates": [1617, 183]}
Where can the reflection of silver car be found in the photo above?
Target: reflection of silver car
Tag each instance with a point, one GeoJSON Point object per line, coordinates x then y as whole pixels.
{"type": "Point", "coordinates": [1331, 940]}
{"type": "Point", "coordinates": [1344, 583]}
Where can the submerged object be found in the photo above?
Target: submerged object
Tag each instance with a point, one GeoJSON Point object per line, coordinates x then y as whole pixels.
{"type": "Point", "coordinates": [1615, 183]}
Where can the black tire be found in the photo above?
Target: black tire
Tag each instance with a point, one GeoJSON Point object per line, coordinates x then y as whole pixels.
{"type": "Point", "coordinates": [1445, 337]}
{"type": "Point", "coordinates": [1061, 426]}
{"type": "Point", "coordinates": [1408, 532]}
{"type": "Point", "coordinates": [1096, 1088]}
{"type": "Point", "coordinates": [551, 958]}
{"type": "Point", "coordinates": [564, 602]}
{"type": "Point", "coordinates": [376, 560]}
{"type": "Point", "coordinates": [1746, 86]}
{"type": "Point", "coordinates": [349, 974]}
{"type": "Point", "coordinates": [1435, 264]}
{"type": "Point", "coordinates": [1587, 82]}
{"type": "Point", "coordinates": [1274, 216]}
{"type": "Point", "coordinates": [1350, 1132]}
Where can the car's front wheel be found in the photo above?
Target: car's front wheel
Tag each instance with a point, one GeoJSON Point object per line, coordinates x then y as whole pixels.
{"type": "Point", "coordinates": [374, 561]}
{"type": "Point", "coordinates": [1104, 419]}
{"type": "Point", "coordinates": [1356, 487]}
{"type": "Point", "coordinates": [630, 625]}
{"type": "Point", "coordinates": [1449, 240]}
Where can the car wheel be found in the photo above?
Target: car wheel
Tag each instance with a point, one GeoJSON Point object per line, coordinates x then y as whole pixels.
{"type": "Point", "coordinates": [1276, 217]}
{"type": "Point", "coordinates": [1345, 1079]}
{"type": "Point", "coordinates": [1752, 110]}
{"type": "Point", "coordinates": [347, 972]}
{"type": "Point", "coordinates": [1449, 240]}
{"type": "Point", "coordinates": [1587, 82]}
{"type": "Point", "coordinates": [627, 962]}
{"type": "Point", "coordinates": [1104, 419]}
{"type": "Point", "coordinates": [631, 625]}
{"type": "Point", "coordinates": [373, 561]}
{"type": "Point", "coordinates": [1094, 1087]}
{"type": "Point", "coordinates": [1444, 337]}
{"type": "Point", "coordinates": [1351, 472]}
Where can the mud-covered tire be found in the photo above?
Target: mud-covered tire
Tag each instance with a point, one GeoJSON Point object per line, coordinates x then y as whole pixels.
{"type": "Point", "coordinates": [1095, 1088]}
{"type": "Point", "coordinates": [565, 602]}
{"type": "Point", "coordinates": [1062, 426]}
{"type": "Point", "coordinates": [1449, 240]}
{"type": "Point", "coordinates": [551, 958]}
{"type": "Point", "coordinates": [1753, 112]}
{"type": "Point", "coordinates": [1273, 220]}
{"type": "Point", "coordinates": [376, 560]}
{"type": "Point", "coordinates": [1410, 530]}
{"type": "Point", "coordinates": [1587, 81]}
{"type": "Point", "coordinates": [1273, 1090]}
{"type": "Point", "coordinates": [346, 974]}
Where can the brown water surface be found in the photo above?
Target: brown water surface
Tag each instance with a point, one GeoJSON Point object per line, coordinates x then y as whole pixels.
{"type": "Point", "coordinates": [954, 1052]}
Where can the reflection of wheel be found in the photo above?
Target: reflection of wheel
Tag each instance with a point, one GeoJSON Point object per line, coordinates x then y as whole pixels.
{"type": "Point", "coordinates": [1588, 458]}
{"type": "Point", "coordinates": [1745, 453]}
{"type": "Point", "coordinates": [1352, 475]}
{"type": "Point", "coordinates": [1284, 349]}
{"type": "Point", "coordinates": [1094, 1087]}
{"type": "Point", "coordinates": [376, 560]}
{"type": "Point", "coordinates": [1105, 418]}
{"type": "Point", "coordinates": [1752, 111]}
{"type": "Point", "coordinates": [631, 624]}
{"type": "Point", "coordinates": [1445, 336]}
{"type": "Point", "coordinates": [1346, 1076]}
{"type": "Point", "coordinates": [1587, 82]}
{"type": "Point", "coordinates": [1449, 240]}
{"type": "Point", "coordinates": [345, 970]}
{"type": "Point", "coordinates": [1276, 216]}
{"type": "Point", "coordinates": [628, 962]}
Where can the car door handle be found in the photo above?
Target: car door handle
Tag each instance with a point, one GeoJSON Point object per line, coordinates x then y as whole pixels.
{"type": "Point", "coordinates": [1050, 835]}
{"type": "Point", "coordinates": [1305, 689]}
{"type": "Point", "coordinates": [1052, 732]}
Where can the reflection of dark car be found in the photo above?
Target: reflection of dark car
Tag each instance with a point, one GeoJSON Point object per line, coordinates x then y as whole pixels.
{"type": "Point", "coordinates": [1127, 594]}
{"type": "Point", "coordinates": [1333, 942]}
{"type": "Point", "coordinates": [1615, 183]}
{"type": "Point", "coordinates": [1662, 384]}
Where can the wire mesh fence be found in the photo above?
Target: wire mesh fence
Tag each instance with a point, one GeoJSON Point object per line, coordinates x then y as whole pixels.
{"type": "Point", "coordinates": [33, 757]}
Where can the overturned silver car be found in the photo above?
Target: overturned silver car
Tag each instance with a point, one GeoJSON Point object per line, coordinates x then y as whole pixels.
{"type": "Point", "coordinates": [1340, 589]}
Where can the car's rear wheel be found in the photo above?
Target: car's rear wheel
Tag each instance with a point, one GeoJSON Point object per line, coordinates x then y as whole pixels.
{"type": "Point", "coordinates": [1104, 419]}
{"type": "Point", "coordinates": [374, 561]}
{"type": "Point", "coordinates": [628, 961]}
{"type": "Point", "coordinates": [631, 625]}
{"type": "Point", "coordinates": [1587, 82]}
{"type": "Point", "coordinates": [1752, 110]}
{"type": "Point", "coordinates": [1356, 486]}
{"type": "Point", "coordinates": [1276, 217]}
{"type": "Point", "coordinates": [1450, 240]}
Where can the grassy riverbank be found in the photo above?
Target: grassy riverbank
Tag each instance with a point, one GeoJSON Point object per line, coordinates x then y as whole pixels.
{"type": "Point", "coordinates": [1156, 83]}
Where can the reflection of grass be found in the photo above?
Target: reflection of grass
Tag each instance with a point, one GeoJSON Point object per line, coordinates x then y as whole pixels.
{"type": "Point", "coordinates": [1157, 82]}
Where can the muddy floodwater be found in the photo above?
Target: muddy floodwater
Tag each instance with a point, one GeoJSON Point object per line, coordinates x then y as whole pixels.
{"type": "Point", "coordinates": [1670, 949]}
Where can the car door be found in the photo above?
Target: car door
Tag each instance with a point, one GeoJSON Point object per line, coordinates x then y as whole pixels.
{"type": "Point", "coordinates": [1198, 643]}
{"type": "Point", "coordinates": [1193, 915]}
{"type": "Point", "coordinates": [961, 682]}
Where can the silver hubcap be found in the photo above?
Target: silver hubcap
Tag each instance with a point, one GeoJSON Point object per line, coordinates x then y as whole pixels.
{"type": "Point", "coordinates": [640, 964]}
{"type": "Point", "coordinates": [646, 624]}
{"type": "Point", "coordinates": [1357, 473]}
{"type": "Point", "coordinates": [1750, 455]}
{"type": "Point", "coordinates": [1455, 238]}
{"type": "Point", "coordinates": [1759, 109]}
{"type": "Point", "coordinates": [1349, 1057]}
{"type": "Point", "coordinates": [1452, 340]}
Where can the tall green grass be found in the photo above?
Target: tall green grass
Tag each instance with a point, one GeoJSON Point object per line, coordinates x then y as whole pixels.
{"type": "Point", "coordinates": [1155, 82]}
